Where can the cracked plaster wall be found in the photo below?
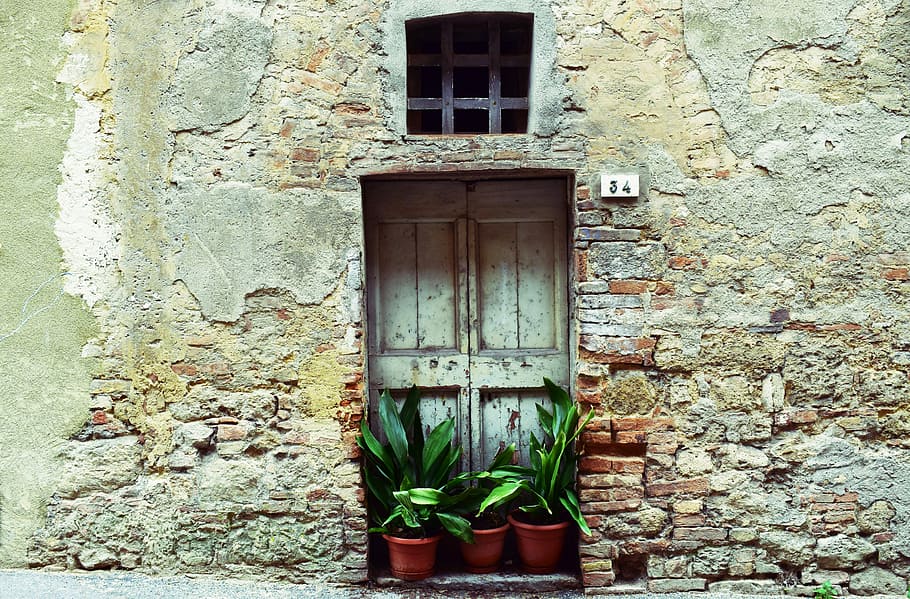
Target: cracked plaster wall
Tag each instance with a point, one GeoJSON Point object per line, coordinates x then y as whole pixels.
{"type": "Point", "coordinates": [756, 294]}
{"type": "Point", "coordinates": [44, 374]}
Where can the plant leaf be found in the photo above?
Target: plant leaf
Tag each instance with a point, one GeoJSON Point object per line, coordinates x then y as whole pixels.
{"type": "Point", "coordinates": [502, 494]}
{"type": "Point", "coordinates": [438, 442]}
{"type": "Point", "coordinates": [375, 449]}
{"type": "Point", "coordinates": [457, 525]}
{"type": "Point", "coordinates": [410, 408]}
{"type": "Point", "coordinates": [546, 419]}
{"type": "Point", "coordinates": [427, 496]}
{"type": "Point", "coordinates": [570, 501]}
{"type": "Point", "coordinates": [503, 457]}
{"type": "Point", "coordinates": [391, 424]}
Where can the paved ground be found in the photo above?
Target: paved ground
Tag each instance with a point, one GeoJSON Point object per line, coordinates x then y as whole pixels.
{"type": "Point", "coordinates": [27, 584]}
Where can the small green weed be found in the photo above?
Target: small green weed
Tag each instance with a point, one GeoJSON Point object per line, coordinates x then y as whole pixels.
{"type": "Point", "coordinates": [826, 591]}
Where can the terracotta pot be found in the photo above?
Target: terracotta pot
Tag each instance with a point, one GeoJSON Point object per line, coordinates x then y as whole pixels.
{"type": "Point", "coordinates": [539, 545]}
{"type": "Point", "coordinates": [412, 559]}
{"type": "Point", "coordinates": [483, 555]}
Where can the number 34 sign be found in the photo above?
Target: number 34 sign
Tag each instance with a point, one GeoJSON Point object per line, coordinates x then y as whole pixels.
{"type": "Point", "coordinates": [619, 185]}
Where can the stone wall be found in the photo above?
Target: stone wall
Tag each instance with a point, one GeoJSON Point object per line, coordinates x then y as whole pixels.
{"type": "Point", "coordinates": [741, 329]}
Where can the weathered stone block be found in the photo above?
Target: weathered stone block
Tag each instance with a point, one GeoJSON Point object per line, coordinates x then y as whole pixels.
{"type": "Point", "coordinates": [693, 486]}
{"type": "Point", "coordinates": [745, 587]}
{"type": "Point", "coordinates": [787, 547]}
{"type": "Point", "coordinates": [676, 585]}
{"type": "Point", "coordinates": [876, 518]}
{"type": "Point", "coordinates": [877, 581]}
{"type": "Point", "coordinates": [843, 552]}
{"type": "Point", "coordinates": [701, 533]}
{"type": "Point", "coordinates": [626, 260]}
{"type": "Point", "coordinates": [100, 465]}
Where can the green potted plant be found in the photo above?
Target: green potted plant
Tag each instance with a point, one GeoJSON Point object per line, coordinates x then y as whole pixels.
{"type": "Point", "coordinates": [489, 525]}
{"type": "Point", "coordinates": [546, 490]}
{"type": "Point", "coordinates": [408, 483]}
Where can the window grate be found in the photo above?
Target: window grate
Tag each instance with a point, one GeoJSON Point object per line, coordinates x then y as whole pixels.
{"type": "Point", "coordinates": [469, 74]}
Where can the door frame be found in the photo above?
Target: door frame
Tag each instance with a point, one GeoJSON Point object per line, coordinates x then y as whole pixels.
{"type": "Point", "coordinates": [571, 270]}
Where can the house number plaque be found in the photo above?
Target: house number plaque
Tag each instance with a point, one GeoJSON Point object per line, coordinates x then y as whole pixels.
{"type": "Point", "coordinates": [619, 185]}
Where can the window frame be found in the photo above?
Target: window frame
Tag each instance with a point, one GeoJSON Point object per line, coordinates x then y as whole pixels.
{"type": "Point", "coordinates": [448, 59]}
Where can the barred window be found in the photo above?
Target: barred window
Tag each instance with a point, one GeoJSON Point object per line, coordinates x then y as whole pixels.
{"type": "Point", "coordinates": [469, 73]}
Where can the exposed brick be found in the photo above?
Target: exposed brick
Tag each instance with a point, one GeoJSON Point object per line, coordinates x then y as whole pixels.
{"type": "Point", "coordinates": [603, 507]}
{"type": "Point", "coordinates": [681, 262]}
{"type": "Point", "coordinates": [694, 486]}
{"type": "Point", "coordinates": [594, 564]}
{"type": "Point", "coordinates": [595, 464]}
{"type": "Point", "coordinates": [604, 464]}
{"type": "Point", "coordinates": [351, 108]}
{"type": "Point", "coordinates": [600, 549]}
{"type": "Point", "coordinates": [822, 498]}
{"type": "Point", "coordinates": [581, 265]}
{"type": "Point", "coordinates": [606, 481]}
{"type": "Point", "coordinates": [311, 80]}
{"type": "Point", "coordinates": [688, 520]}
{"type": "Point", "coordinates": [688, 506]}
{"type": "Point", "coordinates": [595, 441]}
{"type": "Point", "coordinates": [583, 192]}
{"type": "Point", "coordinates": [322, 50]}
{"type": "Point", "coordinates": [508, 155]}
{"type": "Point", "coordinates": [700, 533]}
{"type": "Point", "coordinates": [184, 369]}
{"type": "Point", "coordinates": [287, 128]}
{"type": "Point", "coordinates": [841, 517]}
{"type": "Point", "coordinates": [640, 547]}
{"type": "Point", "coordinates": [597, 579]}
{"type": "Point", "coordinates": [231, 432]}
{"type": "Point", "coordinates": [664, 288]}
{"type": "Point", "coordinates": [630, 286]}
{"type": "Point", "coordinates": [606, 234]}
{"type": "Point", "coordinates": [896, 274]}
{"type": "Point", "coordinates": [587, 382]}
{"type": "Point", "coordinates": [215, 368]}
{"type": "Point", "coordinates": [642, 424]}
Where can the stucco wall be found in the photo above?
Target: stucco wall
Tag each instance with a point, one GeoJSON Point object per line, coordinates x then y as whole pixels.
{"type": "Point", "coordinates": [45, 374]}
{"type": "Point", "coordinates": [741, 328]}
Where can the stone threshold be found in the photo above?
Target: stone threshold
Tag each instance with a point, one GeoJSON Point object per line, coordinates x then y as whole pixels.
{"type": "Point", "coordinates": [509, 579]}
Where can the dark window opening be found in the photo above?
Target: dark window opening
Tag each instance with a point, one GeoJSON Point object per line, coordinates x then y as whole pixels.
{"type": "Point", "coordinates": [469, 73]}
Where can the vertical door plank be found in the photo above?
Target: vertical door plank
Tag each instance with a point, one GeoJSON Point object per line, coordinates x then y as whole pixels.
{"type": "Point", "coordinates": [397, 286]}
{"type": "Point", "coordinates": [529, 424]}
{"type": "Point", "coordinates": [499, 424]}
{"type": "Point", "coordinates": [497, 278]}
{"type": "Point", "coordinates": [509, 417]}
{"type": "Point", "coordinates": [536, 291]}
{"type": "Point", "coordinates": [436, 311]}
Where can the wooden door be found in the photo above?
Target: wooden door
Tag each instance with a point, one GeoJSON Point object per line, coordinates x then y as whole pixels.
{"type": "Point", "coordinates": [467, 299]}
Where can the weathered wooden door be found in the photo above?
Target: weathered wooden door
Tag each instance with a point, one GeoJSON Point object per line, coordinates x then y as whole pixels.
{"type": "Point", "coordinates": [467, 299]}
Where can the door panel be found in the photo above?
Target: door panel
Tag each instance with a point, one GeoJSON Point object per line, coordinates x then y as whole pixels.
{"type": "Point", "coordinates": [436, 268]}
{"type": "Point", "coordinates": [508, 417]}
{"type": "Point", "coordinates": [466, 298]}
{"type": "Point", "coordinates": [537, 319]}
{"type": "Point", "coordinates": [397, 306]}
{"type": "Point", "coordinates": [497, 282]}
